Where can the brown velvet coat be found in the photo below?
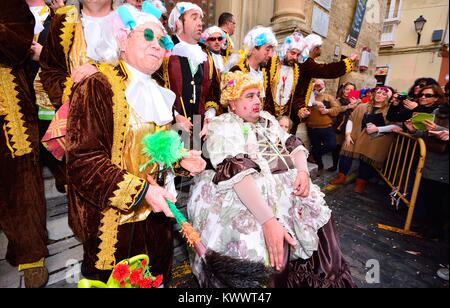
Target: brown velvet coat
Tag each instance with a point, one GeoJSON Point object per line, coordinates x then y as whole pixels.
{"type": "Point", "coordinates": [311, 69]}
{"type": "Point", "coordinates": [22, 203]}
{"type": "Point", "coordinates": [98, 183]}
{"type": "Point", "coordinates": [55, 71]}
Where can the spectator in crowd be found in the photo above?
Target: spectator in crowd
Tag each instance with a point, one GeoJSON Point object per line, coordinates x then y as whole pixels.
{"type": "Point", "coordinates": [404, 108]}
{"type": "Point", "coordinates": [348, 103]}
{"type": "Point", "coordinates": [419, 84]}
{"type": "Point", "coordinates": [432, 212]}
{"type": "Point", "coordinates": [368, 138]}
{"type": "Point", "coordinates": [285, 123]}
{"type": "Point", "coordinates": [319, 122]}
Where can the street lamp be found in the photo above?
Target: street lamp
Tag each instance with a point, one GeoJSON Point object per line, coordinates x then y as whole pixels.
{"type": "Point", "coordinates": [419, 23]}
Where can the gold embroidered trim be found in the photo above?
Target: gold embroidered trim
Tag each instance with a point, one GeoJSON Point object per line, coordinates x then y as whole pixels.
{"type": "Point", "coordinates": [111, 216]}
{"type": "Point", "coordinates": [348, 65]}
{"type": "Point", "coordinates": [308, 93]}
{"type": "Point", "coordinates": [275, 76]}
{"type": "Point", "coordinates": [68, 29]}
{"type": "Point", "coordinates": [127, 191]}
{"type": "Point", "coordinates": [294, 85]}
{"type": "Point", "coordinates": [212, 105]}
{"type": "Point", "coordinates": [211, 66]}
{"type": "Point", "coordinates": [68, 84]}
{"type": "Point", "coordinates": [108, 239]}
{"type": "Point", "coordinates": [14, 122]}
{"type": "Point", "coordinates": [166, 73]}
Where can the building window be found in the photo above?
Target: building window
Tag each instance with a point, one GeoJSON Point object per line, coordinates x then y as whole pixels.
{"type": "Point", "coordinates": [393, 9]}
{"type": "Point", "coordinates": [391, 22]}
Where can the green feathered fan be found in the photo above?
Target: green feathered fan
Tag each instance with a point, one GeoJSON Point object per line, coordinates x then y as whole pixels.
{"type": "Point", "coordinates": [164, 148]}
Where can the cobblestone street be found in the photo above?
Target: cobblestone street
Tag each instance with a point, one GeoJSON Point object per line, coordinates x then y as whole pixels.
{"type": "Point", "coordinates": [404, 261]}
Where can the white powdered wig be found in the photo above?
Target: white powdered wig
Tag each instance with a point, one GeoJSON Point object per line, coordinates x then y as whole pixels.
{"type": "Point", "coordinates": [259, 36]}
{"type": "Point", "coordinates": [114, 30]}
{"type": "Point", "coordinates": [294, 41]}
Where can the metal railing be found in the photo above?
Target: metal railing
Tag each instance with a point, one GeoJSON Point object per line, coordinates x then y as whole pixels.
{"type": "Point", "coordinates": [406, 156]}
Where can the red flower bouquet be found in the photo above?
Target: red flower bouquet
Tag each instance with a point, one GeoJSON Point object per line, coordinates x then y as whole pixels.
{"type": "Point", "coordinates": [130, 273]}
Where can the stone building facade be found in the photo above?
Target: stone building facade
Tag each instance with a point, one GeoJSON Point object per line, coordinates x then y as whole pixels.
{"type": "Point", "coordinates": [307, 16]}
{"type": "Point", "coordinates": [402, 57]}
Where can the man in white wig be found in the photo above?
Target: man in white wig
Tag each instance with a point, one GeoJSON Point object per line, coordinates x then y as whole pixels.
{"type": "Point", "coordinates": [213, 38]}
{"type": "Point", "coordinates": [310, 69]}
{"type": "Point", "coordinates": [284, 72]}
{"type": "Point", "coordinates": [259, 46]}
{"type": "Point", "coordinates": [189, 72]}
{"type": "Point", "coordinates": [115, 208]}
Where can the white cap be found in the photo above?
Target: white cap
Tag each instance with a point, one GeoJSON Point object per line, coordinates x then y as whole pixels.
{"type": "Point", "coordinates": [210, 31]}
{"type": "Point", "coordinates": [179, 10]}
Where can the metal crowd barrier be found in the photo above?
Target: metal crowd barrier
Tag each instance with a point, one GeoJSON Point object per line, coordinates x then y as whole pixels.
{"type": "Point", "coordinates": [406, 155]}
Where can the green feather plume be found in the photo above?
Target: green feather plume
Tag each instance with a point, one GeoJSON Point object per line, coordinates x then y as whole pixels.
{"type": "Point", "coordinates": [164, 148]}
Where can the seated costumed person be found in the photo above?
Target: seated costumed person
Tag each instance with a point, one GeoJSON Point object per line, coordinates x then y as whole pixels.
{"type": "Point", "coordinates": [114, 208]}
{"type": "Point", "coordinates": [260, 200]}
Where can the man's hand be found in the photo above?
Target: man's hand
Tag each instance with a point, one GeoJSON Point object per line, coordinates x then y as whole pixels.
{"type": "Point", "coordinates": [36, 50]}
{"type": "Point", "coordinates": [354, 58]}
{"type": "Point", "coordinates": [194, 163]}
{"type": "Point", "coordinates": [184, 123]}
{"type": "Point", "coordinates": [156, 197]}
{"type": "Point", "coordinates": [204, 132]}
{"type": "Point", "coordinates": [83, 72]}
{"type": "Point", "coordinates": [302, 184]}
{"type": "Point", "coordinates": [275, 236]}
{"type": "Point", "coordinates": [304, 113]}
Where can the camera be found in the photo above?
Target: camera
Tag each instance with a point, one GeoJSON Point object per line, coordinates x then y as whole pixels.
{"type": "Point", "coordinates": [403, 97]}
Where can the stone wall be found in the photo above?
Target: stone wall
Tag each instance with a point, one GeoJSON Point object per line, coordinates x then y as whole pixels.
{"type": "Point", "coordinates": [341, 19]}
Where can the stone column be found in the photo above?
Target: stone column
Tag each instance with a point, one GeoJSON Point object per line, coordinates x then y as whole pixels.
{"type": "Point", "coordinates": [289, 15]}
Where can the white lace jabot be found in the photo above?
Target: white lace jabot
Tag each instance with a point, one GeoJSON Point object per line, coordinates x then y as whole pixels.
{"type": "Point", "coordinates": [92, 31]}
{"type": "Point", "coordinates": [150, 101]}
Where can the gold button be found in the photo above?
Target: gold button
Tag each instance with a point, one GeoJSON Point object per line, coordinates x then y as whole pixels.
{"type": "Point", "coordinates": [193, 83]}
{"type": "Point", "coordinates": [192, 101]}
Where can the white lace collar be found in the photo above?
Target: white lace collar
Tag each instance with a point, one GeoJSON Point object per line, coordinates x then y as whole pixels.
{"type": "Point", "coordinates": [150, 101]}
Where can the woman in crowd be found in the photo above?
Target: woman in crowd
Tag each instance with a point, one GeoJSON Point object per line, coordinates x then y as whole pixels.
{"type": "Point", "coordinates": [348, 104]}
{"type": "Point", "coordinates": [260, 199]}
{"type": "Point", "coordinates": [432, 212]}
{"type": "Point", "coordinates": [367, 138]}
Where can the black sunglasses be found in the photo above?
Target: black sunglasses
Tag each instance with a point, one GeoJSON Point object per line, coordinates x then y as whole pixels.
{"type": "Point", "coordinates": [213, 39]}
{"type": "Point", "coordinates": [426, 95]}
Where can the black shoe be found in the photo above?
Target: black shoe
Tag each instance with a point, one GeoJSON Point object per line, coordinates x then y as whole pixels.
{"type": "Point", "coordinates": [332, 169]}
